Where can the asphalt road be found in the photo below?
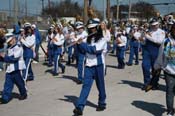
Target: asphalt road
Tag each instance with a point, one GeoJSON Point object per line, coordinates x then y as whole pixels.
{"type": "Point", "coordinates": [55, 96]}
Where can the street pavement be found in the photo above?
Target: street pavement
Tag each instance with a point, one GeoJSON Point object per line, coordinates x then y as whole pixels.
{"type": "Point", "coordinates": [56, 96]}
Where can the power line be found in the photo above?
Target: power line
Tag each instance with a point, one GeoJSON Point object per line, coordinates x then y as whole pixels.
{"type": "Point", "coordinates": [162, 3]}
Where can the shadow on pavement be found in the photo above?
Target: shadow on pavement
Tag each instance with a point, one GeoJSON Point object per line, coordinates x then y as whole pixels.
{"type": "Point", "coordinates": [112, 54]}
{"type": "Point", "coordinates": [49, 71]}
{"type": "Point", "coordinates": [74, 79]}
{"type": "Point", "coordinates": [111, 66]}
{"type": "Point", "coordinates": [132, 83]}
{"type": "Point", "coordinates": [73, 99]}
{"type": "Point", "coordinates": [72, 65]}
{"type": "Point", "coordinates": [45, 63]}
{"type": "Point", "coordinates": [153, 108]}
{"type": "Point", "coordinates": [140, 85]}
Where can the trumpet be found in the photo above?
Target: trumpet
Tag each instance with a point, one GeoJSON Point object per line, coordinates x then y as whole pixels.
{"type": "Point", "coordinates": [79, 40]}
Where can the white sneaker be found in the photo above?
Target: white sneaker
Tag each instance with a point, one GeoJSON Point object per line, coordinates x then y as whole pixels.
{"type": "Point", "coordinates": [35, 62]}
{"type": "Point", "coordinates": [0, 69]}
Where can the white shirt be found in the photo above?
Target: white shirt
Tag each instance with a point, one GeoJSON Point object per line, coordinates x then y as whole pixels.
{"type": "Point", "coordinates": [91, 59]}
{"type": "Point", "coordinates": [128, 29]}
{"type": "Point", "coordinates": [82, 35]}
{"type": "Point", "coordinates": [49, 37]}
{"type": "Point", "coordinates": [59, 39]}
{"type": "Point", "coordinates": [137, 35]}
{"type": "Point", "coordinates": [123, 40]}
{"type": "Point", "coordinates": [16, 52]}
{"type": "Point", "coordinates": [29, 41]}
{"type": "Point", "coordinates": [107, 35]}
{"type": "Point", "coordinates": [156, 36]}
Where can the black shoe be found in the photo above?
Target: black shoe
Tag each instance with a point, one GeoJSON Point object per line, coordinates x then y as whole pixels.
{"type": "Point", "coordinates": [3, 101]}
{"type": "Point", "coordinates": [50, 65]}
{"type": "Point", "coordinates": [112, 51]}
{"type": "Point", "coordinates": [23, 97]}
{"type": "Point", "coordinates": [77, 112]}
{"type": "Point", "coordinates": [63, 69]}
{"type": "Point", "coordinates": [68, 63]}
{"type": "Point", "coordinates": [155, 87]}
{"type": "Point", "coordinates": [30, 79]}
{"type": "Point", "coordinates": [100, 108]}
{"type": "Point", "coordinates": [73, 59]}
{"type": "Point", "coordinates": [129, 64]}
{"type": "Point", "coordinates": [137, 63]}
{"type": "Point", "coordinates": [55, 74]}
{"type": "Point", "coordinates": [143, 88]}
{"type": "Point", "coordinates": [79, 82]}
{"type": "Point", "coordinates": [148, 88]}
{"type": "Point", "coordinates": [121, 67]}
{"type": "Point", "coordinates": [170, 113]}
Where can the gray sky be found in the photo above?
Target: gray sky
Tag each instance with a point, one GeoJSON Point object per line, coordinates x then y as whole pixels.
{"type": "Point", "coordinates": [34, 6]}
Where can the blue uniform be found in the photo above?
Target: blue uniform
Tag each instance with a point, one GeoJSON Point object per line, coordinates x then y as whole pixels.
{"type": "Point", "coordinates": [150, 52]}
{"type": "Point", "coordinates": [94, 70]}
{"type": "Point", "coordinates": [134, 48]}
{"type": "Point", "coordinates": [50, 49]}
{"type": "Point", "coordinates": [29, 53]}
{"type": "Point", "coordinates": [121, 46]}
{"type": "Point", "coordinates": [15, 64]}
{"type": "Point", "coordinates": [70, 49]}
{"type": "Point", "coordinates": [38, 42]}
{"type": "Point", "coordinates": [81, 57]}
{"type": "Point", "coordinates": [57, 51]}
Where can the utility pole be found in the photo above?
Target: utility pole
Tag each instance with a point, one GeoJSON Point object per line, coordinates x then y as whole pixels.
{"type": "Point", "coordinates": [85, 11]}
{"type": "Point", "coordinates": [108, 10]}
{"type": "Point", "coordinates": [104, 11]}
{"type": "Point", "coordinates": [10, 10]}
{"type": "Point", "coordinates": [42, 4]}
{"type": "Point", "coordinates": [118, 8]}
{"type": "Point", "coordinates": [16, 10]}
{"type": "Point", "coordinates": [129, 11]}
{"type": "Point", "coordinates": [25, 8]}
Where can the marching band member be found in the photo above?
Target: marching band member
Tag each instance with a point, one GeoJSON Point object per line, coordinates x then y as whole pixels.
{"type": "Point", "coordinates": [80, 53]}
{"type": "Point", "coordinates": [94, 67]}
{"type": "Point", "coordinates": [134, 46]}
{"type": "Point", "coordinates": [49, 37]}
{"type": "Point", "coordinates": [58, 41]}
{"type": "Point", "coordinates": [28, 42]}
{"type": "Point", "coordinates": [153, 39]}
{"type": "Point", "coordinates": [38, 40]}
{"type": "Point", "coordinates": [70, 39]}
{"type": "Point", "coordinates": [166, 61]}
{"type": "Point", "coordinates": [65, 33]}
{"type": "Point", "coordinates": [107, 37]}
{"type": "Point", "coordinates": [15, 65]}
{"type": "Point", "coordinates": [121, 41]}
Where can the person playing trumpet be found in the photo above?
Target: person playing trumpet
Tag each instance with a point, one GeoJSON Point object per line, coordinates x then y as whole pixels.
{"type": "Point", "coordinates": [152, 40]}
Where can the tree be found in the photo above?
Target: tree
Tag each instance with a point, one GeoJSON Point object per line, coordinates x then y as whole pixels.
{"type": "Point", "coordinates": [65, 8]}
{"type": "Point", "coordinates": [144, 9]}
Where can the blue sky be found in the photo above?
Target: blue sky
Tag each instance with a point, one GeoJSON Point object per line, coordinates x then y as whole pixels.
{"type": "Point", "coordinates": [34, 6]}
